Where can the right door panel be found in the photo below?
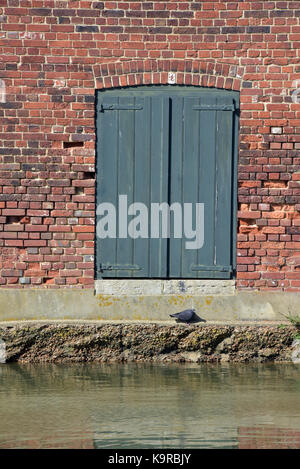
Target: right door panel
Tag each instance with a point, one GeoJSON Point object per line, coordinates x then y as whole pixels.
{"type": "Point", "coordinates": [201, 171]}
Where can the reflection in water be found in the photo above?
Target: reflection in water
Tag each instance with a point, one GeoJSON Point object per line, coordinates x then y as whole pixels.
{"type": "Point", "coordinates": [149, 406]}
{"type": "Point", "coordinates": [268, 437]}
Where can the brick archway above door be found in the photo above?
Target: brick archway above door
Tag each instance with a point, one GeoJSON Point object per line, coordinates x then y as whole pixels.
{"type": "Point", "coordinates": [156, 72]}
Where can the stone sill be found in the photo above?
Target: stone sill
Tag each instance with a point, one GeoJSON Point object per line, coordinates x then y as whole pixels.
{"type": "Point", "coordinates": [133, 287]}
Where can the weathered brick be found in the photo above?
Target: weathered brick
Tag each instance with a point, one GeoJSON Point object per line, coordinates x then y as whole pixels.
{"type": "Point", "coordinates": [258, 29]}
{"type": "Point", "coordinates": [47, 199]}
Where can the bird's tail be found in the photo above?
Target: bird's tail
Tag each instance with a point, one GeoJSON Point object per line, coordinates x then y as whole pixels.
{"type": "Point", "coordinates": [173, 315]}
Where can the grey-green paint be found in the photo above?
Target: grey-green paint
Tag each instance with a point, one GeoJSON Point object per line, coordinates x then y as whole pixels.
{"type": "Point", "coordinates": [169, 144]}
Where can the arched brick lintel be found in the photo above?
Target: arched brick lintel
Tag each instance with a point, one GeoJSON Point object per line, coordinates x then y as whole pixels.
{"type": "Point", "coordinates": [156, 72]}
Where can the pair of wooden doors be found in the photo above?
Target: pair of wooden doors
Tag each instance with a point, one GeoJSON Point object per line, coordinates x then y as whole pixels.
{"type": "Point", "coordinates": [174, 146]}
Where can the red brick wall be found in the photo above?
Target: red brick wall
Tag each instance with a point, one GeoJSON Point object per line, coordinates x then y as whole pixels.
{"type": "Point", "coordinates": [54, 54]}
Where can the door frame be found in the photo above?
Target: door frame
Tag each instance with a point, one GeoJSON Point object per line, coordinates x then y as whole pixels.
{"type": "Point", "coordinates": [144, 90]}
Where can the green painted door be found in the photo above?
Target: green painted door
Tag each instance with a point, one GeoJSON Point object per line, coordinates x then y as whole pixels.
{"type": "Point", "coordinates": [176, 147]}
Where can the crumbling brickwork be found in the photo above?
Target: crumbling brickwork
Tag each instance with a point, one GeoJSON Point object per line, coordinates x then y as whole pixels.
{"type": "Point", "coordinates": [55, 54]}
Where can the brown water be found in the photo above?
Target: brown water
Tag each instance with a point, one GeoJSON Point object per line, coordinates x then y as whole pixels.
{"type": "Point", "coordinates": [150, 406]}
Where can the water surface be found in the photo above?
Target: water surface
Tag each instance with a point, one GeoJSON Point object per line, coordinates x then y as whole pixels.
{"type": "Point", "coordinates": [150, 406]}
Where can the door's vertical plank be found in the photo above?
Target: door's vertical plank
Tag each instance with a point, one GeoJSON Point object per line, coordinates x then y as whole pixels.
{"type": "Point", "coordinates": [125, 176]}
{"type": "Point", "coordinates": [175, 182]}
{"type": "Point", "coordinates": [223, 197]}
{"type": "Point", "coordinates": [159, 178]}
{"type": "Point", "coordinates": [108, 144]}
{"type": "Point", "coordinates": [234, 189]}
{"type": "Point", "coordinates": [190, 177]}
{"type": "Point", "coordinates": [207, 182]}
{"type": "Point", "coordinates": [142, 171]}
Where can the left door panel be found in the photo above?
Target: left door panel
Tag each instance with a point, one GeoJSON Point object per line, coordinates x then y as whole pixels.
{"type": "Point", "coordinates": [133, 159]}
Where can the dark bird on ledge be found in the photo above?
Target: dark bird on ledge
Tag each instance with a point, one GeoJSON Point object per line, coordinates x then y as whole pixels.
{"type": "Point", "coordinates": [184, 316]}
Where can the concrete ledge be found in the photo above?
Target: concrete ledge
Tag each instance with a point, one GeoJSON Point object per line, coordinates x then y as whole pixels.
{"type": "Point", "coordinates": [115, 342]}
{"type": "Point", "coordinates": [72, 304]}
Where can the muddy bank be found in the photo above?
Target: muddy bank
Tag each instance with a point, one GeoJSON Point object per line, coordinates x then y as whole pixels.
{"type": "Point", "coordinates": [146, 342]}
